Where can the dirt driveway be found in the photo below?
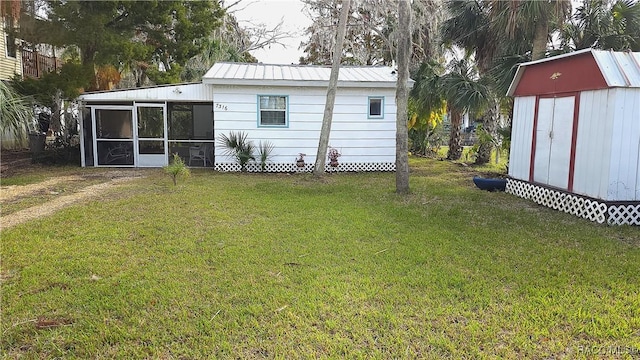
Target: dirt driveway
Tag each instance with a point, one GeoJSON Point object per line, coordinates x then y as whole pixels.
{"type": "Point", "coordinates": [22, 203]}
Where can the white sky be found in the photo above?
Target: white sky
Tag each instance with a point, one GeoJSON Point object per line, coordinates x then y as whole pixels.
{"type": "Point", "coordinates": [270, 12]}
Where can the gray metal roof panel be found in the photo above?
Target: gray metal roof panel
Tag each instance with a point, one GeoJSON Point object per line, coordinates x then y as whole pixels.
{"type": "Point", "coordinates": [348, 74]}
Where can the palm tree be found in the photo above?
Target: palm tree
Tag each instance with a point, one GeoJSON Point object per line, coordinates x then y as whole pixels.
{"type": "Point", "coordinates": [16, 112]}
{"type": "Point", "coordinates": [461, 88]}
{"type": "Point", "coordinates": [471, 28]}
{"type": "Point", "coordinates": [464, 91]}
{"type": "Point", "coordinates": [603, 24]}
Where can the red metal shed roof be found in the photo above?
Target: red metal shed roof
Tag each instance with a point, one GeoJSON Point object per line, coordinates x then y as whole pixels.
{"type": "Point", "coordinates": [581, 70]}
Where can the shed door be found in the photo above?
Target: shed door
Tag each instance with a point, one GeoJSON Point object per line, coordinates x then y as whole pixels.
{"type": "Point", "coordinates": [553, 141]}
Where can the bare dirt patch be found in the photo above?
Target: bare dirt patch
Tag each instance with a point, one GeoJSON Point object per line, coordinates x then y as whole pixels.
{"type": "Point", "coordinates": [15, 191]}
{"type": "Point", "coordinates": [9, 193]}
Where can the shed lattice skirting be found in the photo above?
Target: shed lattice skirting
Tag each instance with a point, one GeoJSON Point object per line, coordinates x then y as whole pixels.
{"type": "Point", "coordinates": [587, 208]}
{"type": "Point", "coordinates": [291, 167]}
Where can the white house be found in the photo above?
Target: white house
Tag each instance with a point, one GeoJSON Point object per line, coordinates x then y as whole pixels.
{"type": "Point", "coordinates": [282, 104]}
{"type": "Point", "coordinates": [575, 143]}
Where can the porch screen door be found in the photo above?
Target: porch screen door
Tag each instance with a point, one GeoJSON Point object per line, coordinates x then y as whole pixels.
{"type": "Point", "coordinates": [151, 146]}
{"type": "Point", "coordinates": [553, 141]}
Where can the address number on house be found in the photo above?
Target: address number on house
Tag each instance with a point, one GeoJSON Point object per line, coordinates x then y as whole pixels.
{"type": "Point", "coordinates": [221, 107]}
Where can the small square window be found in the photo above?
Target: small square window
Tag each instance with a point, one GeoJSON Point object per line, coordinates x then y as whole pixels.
{"type": "Point", "coordinates": [376, 107]}
{"type": "Point", "coordinates": [272, 110]}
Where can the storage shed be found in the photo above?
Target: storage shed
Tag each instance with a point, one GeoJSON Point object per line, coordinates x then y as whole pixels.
{"type": "Point", "coordinates": [575, 143]}
{"type": "Point", "coordinates": [281, 104]}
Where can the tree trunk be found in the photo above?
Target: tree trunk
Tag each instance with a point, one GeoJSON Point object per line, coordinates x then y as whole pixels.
{"type": "Point", "coordinates": [540, 39]}
{"type": "Point", "coordinates": [402, 97]}
{"type": "Point", "coordinates": [318, 169]}
{"type": "Point", "coordinates": [490, 127]}
{"type": "Point", "coordinates": [455, 137]}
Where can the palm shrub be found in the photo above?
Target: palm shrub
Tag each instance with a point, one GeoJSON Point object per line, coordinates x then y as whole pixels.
{"type": "Point", "coordinates": [16, 112]}
{"type": "Point", "coordinates": [238, 146]}
{"type": "Point", "coordinates": [264, 153]}
{"type": "Point", "coordinates": [177, 169]}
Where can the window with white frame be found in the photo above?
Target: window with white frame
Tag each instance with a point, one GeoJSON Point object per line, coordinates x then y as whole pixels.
{"type": "Point", "coordinates": [272, 110]}
{"type": "Point", "coordinates": [376, 107]}
{"type": "Point", "coordinates": [10, 39]}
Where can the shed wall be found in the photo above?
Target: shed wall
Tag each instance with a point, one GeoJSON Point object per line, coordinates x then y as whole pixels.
{"type": "Point", "coordinates": [521, 137]}
{"type": "Point", "coordinates": [625, 148]}
{"type": "Point", "coordinates": [358, 138]}
{"type": "Point", "coordinates": [593, 144]}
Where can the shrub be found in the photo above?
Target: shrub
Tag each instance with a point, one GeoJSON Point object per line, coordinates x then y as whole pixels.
{"type": "Point", "coordinates": [177, 169]}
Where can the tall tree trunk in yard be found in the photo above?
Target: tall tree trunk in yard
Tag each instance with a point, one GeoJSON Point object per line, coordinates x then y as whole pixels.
{"type": "Point", "coordinates": [318, 169]}
{"type": "Point", "coordinates": [455, 140]}
{"type": "Point", "coordinates": [402, 97]}
{"type": "Point", "coordinates": [490, 126]}
{"type": "Point", "coordinates": [540, 38]}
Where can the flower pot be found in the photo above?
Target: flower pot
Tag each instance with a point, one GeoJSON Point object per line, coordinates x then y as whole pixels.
{"type": "Point", "coordinates": [300, 163]}
{"type": "Point", "coordinates": [333, 163]}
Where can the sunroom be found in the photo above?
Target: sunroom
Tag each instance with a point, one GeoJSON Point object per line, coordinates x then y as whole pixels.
{"type": "Point", "coordinates": [145, 127]}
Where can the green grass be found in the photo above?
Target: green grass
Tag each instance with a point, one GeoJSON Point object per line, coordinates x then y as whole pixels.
{"type": "Point", "coordinates": [286, 266]}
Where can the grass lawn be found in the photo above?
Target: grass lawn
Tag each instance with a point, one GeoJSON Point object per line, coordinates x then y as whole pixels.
{"type": "Point", "coordinates": [285, 266]}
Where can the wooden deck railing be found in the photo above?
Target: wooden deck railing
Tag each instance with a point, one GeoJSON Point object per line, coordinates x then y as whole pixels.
{"type": "Point", "coordinates": [35, 65]}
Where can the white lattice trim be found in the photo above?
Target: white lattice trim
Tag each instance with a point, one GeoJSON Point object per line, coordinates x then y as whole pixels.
{"type": "Point", "coordinates": [577, 205]}
{"type": "Point", "coordinates": [628, 214]}
{"type": "Point", "coordinates": [291, 167]}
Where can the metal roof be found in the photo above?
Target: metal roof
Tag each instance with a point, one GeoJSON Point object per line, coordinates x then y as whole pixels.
{"type": "Point", "coordinates": [619, 68]}
{"type": "Point", "coordinates": [224, 73]}
{"type": "Point", "coordinates": [175, 92]}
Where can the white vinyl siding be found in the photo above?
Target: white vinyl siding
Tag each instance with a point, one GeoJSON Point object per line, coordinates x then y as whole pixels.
{"type": "Point", "coordinates": [358, 139]}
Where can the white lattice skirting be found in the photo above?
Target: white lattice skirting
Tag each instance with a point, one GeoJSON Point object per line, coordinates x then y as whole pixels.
{"type": "Point", "coordinates": [291, 167]}
{"type": "Point", "coordinates": [591, 209]}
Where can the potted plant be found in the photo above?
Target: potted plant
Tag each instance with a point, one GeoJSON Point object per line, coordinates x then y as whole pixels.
{"type": "Point", "coordinates": [333, 156]}
{"type": "Point", "coordinates": [300, 160]}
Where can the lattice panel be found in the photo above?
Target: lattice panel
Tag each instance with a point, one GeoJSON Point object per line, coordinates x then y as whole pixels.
{"type": "Point", "coordinates": [570, 203]}
{"type": "Point", "coordinates": [292, 168]}
{"type": "Point", "coordinates": [624, 214]}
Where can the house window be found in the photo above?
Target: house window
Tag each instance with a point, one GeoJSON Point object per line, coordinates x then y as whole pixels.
{"type": "Point", "coordinates": [10, 39]}
{"type": "Point", "coordinates": [272, 110]}
{"type": "Point", "coordinates": [376, 106]}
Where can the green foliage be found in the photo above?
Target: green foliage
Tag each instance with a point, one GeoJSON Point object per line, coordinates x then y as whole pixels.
{"type": "Point", "coordinates": [16, 112]}
{"type": "Point", "coordinates": [120, 33]}
{"type": "Point", "coordinates": [69, 82]}
{"type": "Point", "coordinates": [603, 25]}
{"type": "Point", "coordinates": [239, 147]}
{"type": "Point", "coordinates": [177, 169]}
{"type": "Point", "coordinates": [265, 148]}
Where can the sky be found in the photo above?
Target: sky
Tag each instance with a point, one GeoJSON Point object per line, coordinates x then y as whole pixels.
{"type": "Point", "coordinates": [270, 12]}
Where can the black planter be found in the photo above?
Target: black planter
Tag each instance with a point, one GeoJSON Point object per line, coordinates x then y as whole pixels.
{"type": "Point", "coordinates": [36, 142]}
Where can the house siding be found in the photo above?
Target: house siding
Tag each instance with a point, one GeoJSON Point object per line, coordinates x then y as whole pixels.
{"type": "Point", "coordinates": [8, 66]}
{"type": "Point", "coordinates": [359, 139]}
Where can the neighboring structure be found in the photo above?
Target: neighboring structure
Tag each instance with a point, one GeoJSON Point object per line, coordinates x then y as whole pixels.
{"type": "Point", "coordinates": [575, 143]}
{"type": "Point", "coordinates": [10, 54]}
{"type": "Point", "coordinates": [282, 104]}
